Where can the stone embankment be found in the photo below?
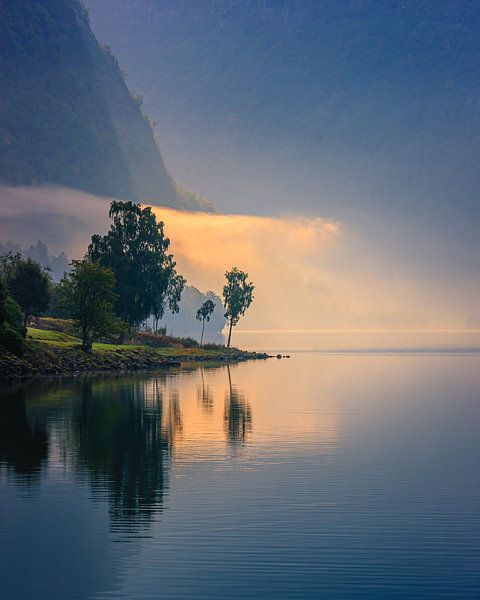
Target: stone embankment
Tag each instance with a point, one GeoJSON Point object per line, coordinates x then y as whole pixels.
{"type": "Point", "coordinates": [43, 360]}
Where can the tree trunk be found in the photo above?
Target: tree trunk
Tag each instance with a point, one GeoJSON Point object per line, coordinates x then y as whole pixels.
{"type": "Point", "coordinates": [25, 321]}
{"type": "Point", "coordinates": [86, 344]}
{"type": "Point", "coordinates": [203, 329]}
{"type": "Point", "coordinates": [230, 333]}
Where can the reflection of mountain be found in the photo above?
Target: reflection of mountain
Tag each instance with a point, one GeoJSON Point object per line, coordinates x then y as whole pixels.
{"type": "Point", "coordinates": [23, 447]}
{"type": "Point", "coordinates": [124, 441]}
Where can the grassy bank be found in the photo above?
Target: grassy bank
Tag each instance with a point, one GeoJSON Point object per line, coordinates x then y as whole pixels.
{"type": "Point", "coordinates": [49, 352]}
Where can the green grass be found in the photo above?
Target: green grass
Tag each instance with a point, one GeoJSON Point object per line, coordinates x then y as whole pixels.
{"type": "Point", "coordinates": [54, 338]}
{"type": "Point", "coordinates": [64, 340]}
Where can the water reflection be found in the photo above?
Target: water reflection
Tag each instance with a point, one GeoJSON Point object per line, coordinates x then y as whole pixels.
{"type": "Point", "coordinates": [23, 446]}
{"type": "Point", "coordinates": [123, 438]}
{"type": "Point", "coordinates": [238, 414]}
{"type": "Point", "coordinates": [116, 433]}
{"type": "Point", "coordinates": [318, 477]}
{"type": "Point", "coordinates": [204, 393]}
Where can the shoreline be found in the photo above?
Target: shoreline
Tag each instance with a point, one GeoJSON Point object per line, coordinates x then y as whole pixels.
{"type": "Point", "coordinates": [45, 360]}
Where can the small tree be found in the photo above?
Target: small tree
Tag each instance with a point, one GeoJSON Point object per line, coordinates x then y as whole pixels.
{"type": "Point", "coordinates": [87, 293]}
{"type": "Point", "coordinates": [29, 285]}
{"type": "Point", "coordinates": [237, 297]}
{"type": "Point", "coordinates": [203, 314]}
{"type": "Point", "coordinates": [168, 297]}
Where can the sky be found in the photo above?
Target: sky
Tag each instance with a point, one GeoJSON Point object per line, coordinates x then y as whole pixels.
{"type": "Point", "coordinates": [318, 106]}
{"type": "Point", "coordinates": [338, 142]}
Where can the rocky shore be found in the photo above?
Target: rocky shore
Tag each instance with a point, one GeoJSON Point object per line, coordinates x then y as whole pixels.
{"type": "Point", "coordinates": [43, 360]}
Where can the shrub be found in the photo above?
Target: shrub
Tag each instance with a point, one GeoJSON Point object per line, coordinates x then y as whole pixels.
{"type": "Point", "coordinates": [11, 340]}
{"type": "Point", "coordinates": [213, 346]}
{"type": "Point", "coordinates": [189, 342]}
{"type": "Point", "coordinates": [153, 339]}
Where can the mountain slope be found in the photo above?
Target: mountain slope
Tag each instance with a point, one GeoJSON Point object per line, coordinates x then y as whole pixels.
{"type": "Point", "coordinates": [66, 116]}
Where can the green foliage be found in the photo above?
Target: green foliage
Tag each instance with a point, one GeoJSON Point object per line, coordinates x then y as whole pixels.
{"type": "Point", "coordinates": [3, 299]}
{"type": "Point", "coordinates": [10, 339]}
{"type": "Point", "coordinates": [87, 292]}
{"type": "Point", "coordinates": [189, 342]}
{"type": "Point", "coordinates": [170, 296]}
{"type": "Point", "coordinates": [11, 322]}
{"type": "Point", "coordinates": [135, 249]}
{"type": "Point", "coordinates": [29, 285]}
{"type": "Point", "coordinates": [203, 314]}
{"type": "Point", "coordinates": [13, 315]}
{"type": "Point", "coordinates": [237, 297]}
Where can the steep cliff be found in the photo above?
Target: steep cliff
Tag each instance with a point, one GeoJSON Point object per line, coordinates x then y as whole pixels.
{"type": "Point", "coordinates": [66, 115]}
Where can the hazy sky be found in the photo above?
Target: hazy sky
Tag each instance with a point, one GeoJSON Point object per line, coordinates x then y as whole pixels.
{"type": "Point", "coordinates": [365, 112]}
{"type": "Point", "coordinates": [317, 105]}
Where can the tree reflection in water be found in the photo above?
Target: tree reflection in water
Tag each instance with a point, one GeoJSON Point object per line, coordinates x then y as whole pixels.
{"type": "Point", "coordinates": [23, 446]}
{"type": "Point", "coordinates": [124, 432]}
{"type": "Point", "coordinates": [117, 432]}
{"type": "Point", "coordinates": [204, 393]}
{"type": "Point", "coordinates": [238, 414]}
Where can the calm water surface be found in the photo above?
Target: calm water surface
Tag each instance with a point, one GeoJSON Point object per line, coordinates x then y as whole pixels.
{"type": "Point", "coordinates": [328, 475]}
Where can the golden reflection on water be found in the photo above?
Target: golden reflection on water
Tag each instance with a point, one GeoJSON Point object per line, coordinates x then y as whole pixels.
{"type": "Point", "coordinates": [210, 410]}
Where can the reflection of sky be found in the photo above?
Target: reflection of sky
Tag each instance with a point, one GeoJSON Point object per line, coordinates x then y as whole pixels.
{"type": "Point", "coordinates": [56, 543]}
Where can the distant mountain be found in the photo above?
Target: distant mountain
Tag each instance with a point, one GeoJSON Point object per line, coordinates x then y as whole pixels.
{"type": "Point", "coordinates": [66, 115]}
{"type": "Point", "coordinates": [56, 265]}
{"type": "Point", "coordinates": [185, 323]}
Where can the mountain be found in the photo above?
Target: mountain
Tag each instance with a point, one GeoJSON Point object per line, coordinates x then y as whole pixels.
{"type": "Point", "coordinates": [185, 323]}
{"type": "Point", "coordinates": [309, 104]}
{"type": "Point", "coordinates": [56, 265]}
{"type": "Point", "coordinates": [67, 117]}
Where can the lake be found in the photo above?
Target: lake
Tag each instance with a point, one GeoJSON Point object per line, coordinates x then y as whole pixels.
{"type": "Point", "coordinates": [350, 470]}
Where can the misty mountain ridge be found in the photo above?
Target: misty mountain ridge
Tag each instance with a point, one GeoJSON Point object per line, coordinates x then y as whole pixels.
{"type": "Point", "coordinates": [67, 117]}
{"type": "Point", "coordinates": [56, 265]}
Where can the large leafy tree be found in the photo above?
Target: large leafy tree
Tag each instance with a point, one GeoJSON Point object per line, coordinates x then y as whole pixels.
{"type": "Point", "coordinates": [203, 314]}
{"type": "Point", "coordinates": [169, 296]}
{"type": "Point", "coordinates": [136, 250]}
{"type": "Point", "coordinates": [237, 297]}
{"type": "Point", "coordinates": [87, 293]}
{"type": "Point", "coordinates": [29, 285]}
